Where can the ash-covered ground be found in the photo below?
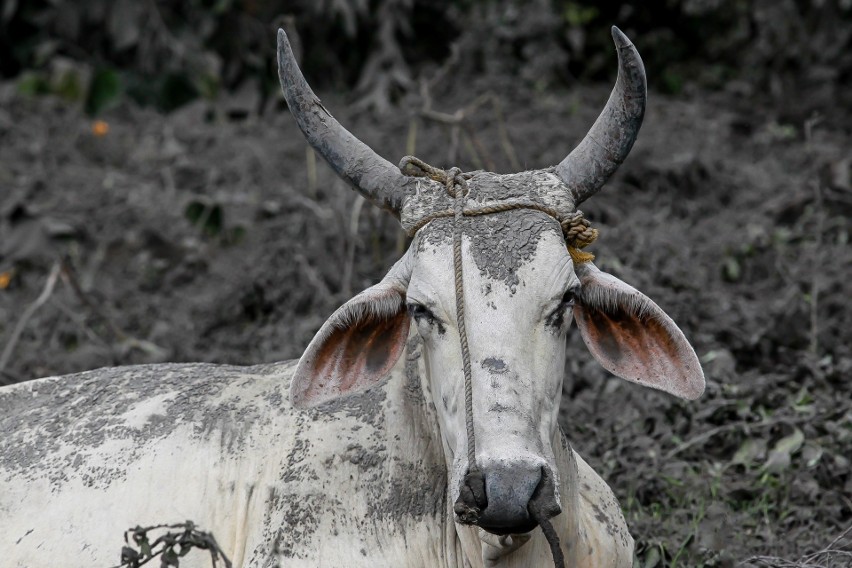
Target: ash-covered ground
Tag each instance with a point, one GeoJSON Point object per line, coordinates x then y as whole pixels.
{"type": "Point", "coordinates": [214, 235]}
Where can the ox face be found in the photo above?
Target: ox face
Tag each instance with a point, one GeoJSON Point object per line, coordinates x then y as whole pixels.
{"type": "Point", "coordinates": [520, 287]}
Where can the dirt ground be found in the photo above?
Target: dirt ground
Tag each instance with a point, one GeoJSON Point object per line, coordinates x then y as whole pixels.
{"type": "Point", "coordinates": [211, 234]}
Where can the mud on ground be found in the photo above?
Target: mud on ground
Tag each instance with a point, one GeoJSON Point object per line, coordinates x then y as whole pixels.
{"type": "Point", "coordinates": [209, 235]}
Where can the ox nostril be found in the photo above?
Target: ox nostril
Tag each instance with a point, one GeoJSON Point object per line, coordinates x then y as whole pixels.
{"type": "Point", "coordinates": [472, 497]}
{"type": "Point", "coordinates": [543, 499]}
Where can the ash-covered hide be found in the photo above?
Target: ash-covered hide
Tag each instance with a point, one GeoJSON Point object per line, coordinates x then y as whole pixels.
{"type": "Point", "coordinates": [534, 189]}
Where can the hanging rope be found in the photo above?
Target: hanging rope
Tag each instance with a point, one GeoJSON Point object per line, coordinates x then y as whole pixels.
{"type": "Point", "coordinates": [457, 188]}
{"type": "Point", "coordinates": [578, 234]}
{"type": "Point", "coordinates": [549, 533]}
{"type": "Point", "coordinates": [473, 486]}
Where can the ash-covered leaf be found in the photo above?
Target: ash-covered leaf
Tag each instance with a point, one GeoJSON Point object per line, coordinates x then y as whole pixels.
{"type": "Point", "coordinates": [750, 452]}
{"type": "Point", "coordinates": [780, 456]}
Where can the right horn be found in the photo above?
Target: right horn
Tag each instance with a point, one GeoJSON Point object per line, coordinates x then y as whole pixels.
{"type": "Point", "coordinates": [611, 137]}
{"type": "Point", "coordinates": [374, 177]}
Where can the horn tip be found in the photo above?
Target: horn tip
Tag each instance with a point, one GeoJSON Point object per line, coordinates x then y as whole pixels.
{"type": "Point", "coordinates": [620, 39]}
{"type": "Point", "coordinates": [282, 36]}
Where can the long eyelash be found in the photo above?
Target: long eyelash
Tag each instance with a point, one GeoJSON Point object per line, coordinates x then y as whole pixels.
{"type": "Point", "coordinates": [417, 311]}
{"type": "Point", "coordinates": [557, 318]}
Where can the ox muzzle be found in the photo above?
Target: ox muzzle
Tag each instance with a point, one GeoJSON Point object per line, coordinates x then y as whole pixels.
{"type": "Point", "coordinates": [506, 497]}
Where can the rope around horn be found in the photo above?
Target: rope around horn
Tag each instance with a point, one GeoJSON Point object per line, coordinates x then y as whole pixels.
{"type": "Point", "coordinates": [576, 228]}
{"type": "Point", "coordinates": [578, 234]}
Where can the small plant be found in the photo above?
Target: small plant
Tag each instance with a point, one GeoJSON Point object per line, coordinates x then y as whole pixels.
{"type": "Point", "coordinates": [170, 547]}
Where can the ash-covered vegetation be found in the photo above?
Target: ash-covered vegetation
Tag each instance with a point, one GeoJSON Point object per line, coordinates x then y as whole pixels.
{"type": "Point", "coordinates": [157, 203]}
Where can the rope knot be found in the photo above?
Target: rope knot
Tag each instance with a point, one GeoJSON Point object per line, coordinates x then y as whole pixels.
{"type": "Point", "coordinates": [579, 234]}
{"type": "Point", "coordinates": [451, 179]}
{"type": "Point", "coordinates": [577, 230]}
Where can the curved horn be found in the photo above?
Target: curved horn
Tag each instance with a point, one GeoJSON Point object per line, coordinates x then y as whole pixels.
{"type": "Point", "coordinates": [610, 139]}
{"type": "Point", "coordinates": [374, 177]}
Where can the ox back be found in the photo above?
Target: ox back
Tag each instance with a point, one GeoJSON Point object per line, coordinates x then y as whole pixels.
{"type": "Point", "coordinates": [356, 482]}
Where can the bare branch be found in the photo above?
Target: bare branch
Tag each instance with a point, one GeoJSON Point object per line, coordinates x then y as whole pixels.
{"type": "Point", "coordinates": [28, 314]}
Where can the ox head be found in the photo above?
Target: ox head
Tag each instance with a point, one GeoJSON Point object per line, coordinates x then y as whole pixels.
{"type": "Point", "coordinates": [522, 291]}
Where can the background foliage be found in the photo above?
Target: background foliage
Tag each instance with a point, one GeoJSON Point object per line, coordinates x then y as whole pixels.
{"type": "Point", "coordinates": [167, 53]}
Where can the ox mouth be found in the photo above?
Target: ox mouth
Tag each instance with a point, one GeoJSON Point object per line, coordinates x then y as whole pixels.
{"type": "Point", "coordinates": [514, 529]}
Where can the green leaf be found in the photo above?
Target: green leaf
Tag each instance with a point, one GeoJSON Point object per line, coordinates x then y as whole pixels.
{"type": "Point", "coordinates": [69, 86]}
{"type": "Point", "coordinates": [33, 84]}
{"type": "Point", "coordinates": [128, 555]}
{"type": "Point", "coordinates": [209, 217]}
{"type": "Point", "coordinates": [578, 15]}
{"type": "Point", "coordinates": [145, 547]}
{"type": "Point", "coordinates": [104, 91]}
{"type": "Point", "coordinates": [169, 558]}
{"type": "Point", "coordinates": [176, 90]}
{"type": "Point", "coordinates": [731, 270]}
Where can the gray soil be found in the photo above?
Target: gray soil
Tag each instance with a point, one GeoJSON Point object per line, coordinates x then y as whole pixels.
{"type": "Point", "coordinates": [192, 237]}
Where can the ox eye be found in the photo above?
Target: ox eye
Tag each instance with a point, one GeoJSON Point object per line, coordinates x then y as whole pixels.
{"type": "Point", "coordinates": [556, 319]}
{"type": "Point", "coordinates": [420, 312]}
{"type": "Point", "coordinates": [569, 298]}
{"type": "Point", "coordinates": [423, 315]}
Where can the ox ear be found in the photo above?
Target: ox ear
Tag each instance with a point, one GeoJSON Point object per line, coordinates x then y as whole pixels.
{"type": "Point", "coordinates": [357, 347]}
{"type": "Point", "coordinates": [632, 337]}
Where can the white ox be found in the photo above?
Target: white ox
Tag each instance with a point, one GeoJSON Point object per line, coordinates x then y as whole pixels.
{"type": "Point", "coordinates": [357, 454]}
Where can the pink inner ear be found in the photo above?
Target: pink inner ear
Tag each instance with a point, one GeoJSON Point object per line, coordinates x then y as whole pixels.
{"type": "Point", "coordinates": [351, 358]}
{"type": "Point", "coordinates": [631, 337]}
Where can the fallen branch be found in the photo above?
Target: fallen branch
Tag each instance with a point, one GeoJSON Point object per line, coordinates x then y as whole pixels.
{"type": "Point", "coordinates": [818, 559]}
{"type": "Point", "coordinates": [173, 545]}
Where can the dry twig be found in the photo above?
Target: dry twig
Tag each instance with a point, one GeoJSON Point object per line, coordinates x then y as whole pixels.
{"type": "Point", "coordinates": [69, 277]}
{"type": "Point", "coordinates": [819, 221]}
{"type": "Point", "coordinates": [352, 240]}
{"type": "Point", "coordinates": [459, 122]}
{"type": "Point", "coordinates": [29, 312]}
{"type": "Point", "coordinates": [837, 553]}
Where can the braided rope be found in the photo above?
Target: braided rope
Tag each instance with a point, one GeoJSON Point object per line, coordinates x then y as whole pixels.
{"type": "Point", "coordinates": [454, 178]}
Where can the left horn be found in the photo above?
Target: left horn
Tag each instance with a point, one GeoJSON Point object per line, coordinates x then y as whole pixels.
{"type": "Point", "coordinates": [610, 139]}
{"type": "Point", "coordinates": [374, 177]}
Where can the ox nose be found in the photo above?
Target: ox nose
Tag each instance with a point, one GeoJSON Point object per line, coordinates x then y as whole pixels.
{"type": "Point", "coordinates": [498, 497]}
